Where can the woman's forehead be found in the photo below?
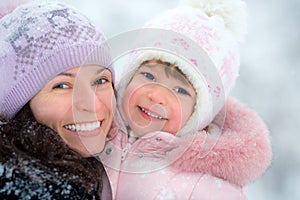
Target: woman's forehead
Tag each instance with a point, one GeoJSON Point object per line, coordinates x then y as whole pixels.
{"type": "Point", "coordinates": [95, 69]}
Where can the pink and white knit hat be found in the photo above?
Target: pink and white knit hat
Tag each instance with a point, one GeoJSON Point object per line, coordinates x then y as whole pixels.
{"type": "Point", "coordinates": [217, 27]}
{"type": "Point", "coordinates": [39, 40]}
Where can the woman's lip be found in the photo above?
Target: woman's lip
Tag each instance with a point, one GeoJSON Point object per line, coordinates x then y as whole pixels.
{"type": "Point", "coordinates": [88, 129]}
{"type": "Point", "coordinates": [87, 133]}
{"type": "Point", "coordinates": [90, 133]}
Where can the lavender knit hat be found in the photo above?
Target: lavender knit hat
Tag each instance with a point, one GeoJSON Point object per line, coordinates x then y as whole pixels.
{"type": "Point", "coordinates": [39, 40]}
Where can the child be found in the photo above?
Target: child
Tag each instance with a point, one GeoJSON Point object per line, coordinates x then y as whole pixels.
{"type": "Point", "coordinates": [171, 89]}
{"type": "Point", "coordinates": [178, 146]}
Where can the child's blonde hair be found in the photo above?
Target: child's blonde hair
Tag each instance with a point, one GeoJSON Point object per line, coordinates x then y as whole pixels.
{"type": "Point", "coordinates": [170, 70]}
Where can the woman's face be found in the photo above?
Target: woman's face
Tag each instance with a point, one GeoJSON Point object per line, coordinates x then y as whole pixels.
{"type": "Point", "coordinates": [79, 105]}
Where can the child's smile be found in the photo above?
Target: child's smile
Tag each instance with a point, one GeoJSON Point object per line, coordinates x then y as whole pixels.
{"type": "Point", "coordinates": [146, 113]}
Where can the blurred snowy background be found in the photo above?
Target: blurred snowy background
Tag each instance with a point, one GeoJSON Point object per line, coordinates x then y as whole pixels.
{"type": "Point", "coordinates": [268, 82]}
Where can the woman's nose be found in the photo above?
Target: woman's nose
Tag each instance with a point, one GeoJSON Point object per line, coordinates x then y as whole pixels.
{"type": "Point", "coordinates": [84, 99]}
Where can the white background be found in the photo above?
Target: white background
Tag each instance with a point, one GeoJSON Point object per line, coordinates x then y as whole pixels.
{"type": "Point", "coordinates": [268, 79]}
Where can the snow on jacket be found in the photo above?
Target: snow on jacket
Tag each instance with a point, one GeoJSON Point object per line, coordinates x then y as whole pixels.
{"type": "Point", "coordinates": [35, 163]}
{"type": "Point", "coordinates": [162, 166]}
{"type": "Point", "coordinates": [35, 180]}
{"type": "Point", "coordinates": [35, 183]}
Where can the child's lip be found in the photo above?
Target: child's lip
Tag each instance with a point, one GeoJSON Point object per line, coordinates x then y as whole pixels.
{"type": "Point", "coordinates": [151, 114]}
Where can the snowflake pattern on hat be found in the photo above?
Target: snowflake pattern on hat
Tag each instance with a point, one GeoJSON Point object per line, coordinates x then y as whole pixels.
{"type": "Point", "coordinates": [39, 40]}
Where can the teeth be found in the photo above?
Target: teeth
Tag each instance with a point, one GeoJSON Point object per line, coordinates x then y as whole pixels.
{"type": "Point", "coordinates": [151, 114]}
{"type": "Point", "coordinates": [83, 127]}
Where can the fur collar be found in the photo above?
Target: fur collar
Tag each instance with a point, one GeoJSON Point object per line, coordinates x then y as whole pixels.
{"type": "Point", "coordinates": [242, 152]}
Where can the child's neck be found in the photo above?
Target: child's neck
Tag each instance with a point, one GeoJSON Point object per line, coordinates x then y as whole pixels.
{"type": "Point", "coordinates": [132, 137]}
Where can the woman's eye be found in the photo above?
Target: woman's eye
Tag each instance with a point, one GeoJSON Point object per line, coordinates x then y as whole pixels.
{"type": "Point", "coordinates": [100, 81]}
{"type": "Point", "coordinates": [148, 76]}
{"type": "Point", "coordinates": [61, 86]}
{"type": "Point", "coordinates": [182, 91]}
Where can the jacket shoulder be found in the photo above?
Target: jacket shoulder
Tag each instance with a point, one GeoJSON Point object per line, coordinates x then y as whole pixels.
{"type": "Point", "coordinates": [240, 154]}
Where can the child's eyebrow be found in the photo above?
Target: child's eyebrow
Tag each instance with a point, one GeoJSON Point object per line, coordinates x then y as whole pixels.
{"type": "Point", "coordinates": [185, 81]}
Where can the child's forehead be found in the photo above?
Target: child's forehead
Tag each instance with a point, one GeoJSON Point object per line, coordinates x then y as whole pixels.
{"type": "Point", "coordinates": [168, 68]}
{"type": "Point", "coordinates": [154, 62]}
{"type": "Point", "coordinates": [158, 63]}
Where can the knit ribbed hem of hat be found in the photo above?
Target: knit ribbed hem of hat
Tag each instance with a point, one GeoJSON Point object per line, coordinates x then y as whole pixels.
{"type": "Point", "coordinates": [47, 68]}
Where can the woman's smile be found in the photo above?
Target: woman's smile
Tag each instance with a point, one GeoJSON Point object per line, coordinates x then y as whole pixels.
{"type": "Point", "coordinates": [85, 129]}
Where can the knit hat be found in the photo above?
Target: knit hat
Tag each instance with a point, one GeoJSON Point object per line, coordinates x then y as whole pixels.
{"type": "Point", "coordinates": [39, 40]}
{"type": "Point", "coordinates": [215, 26]}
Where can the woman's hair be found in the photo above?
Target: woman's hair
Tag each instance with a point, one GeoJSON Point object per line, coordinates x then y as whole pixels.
{"type": "Point", "coordinates": [29, 140]}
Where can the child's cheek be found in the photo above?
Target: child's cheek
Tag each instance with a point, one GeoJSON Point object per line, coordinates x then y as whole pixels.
{"type": "Point", "coordinates": [175, 119]}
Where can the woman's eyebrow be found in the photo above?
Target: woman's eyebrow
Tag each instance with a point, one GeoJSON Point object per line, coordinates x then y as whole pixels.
{"type": "Point", "coordinates": [100, 70]}
{"type": "Point", "coordinates": [66, 74]}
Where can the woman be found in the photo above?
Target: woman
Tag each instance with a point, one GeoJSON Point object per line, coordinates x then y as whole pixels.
{"type": "Point", "coordinates": [57, 104]}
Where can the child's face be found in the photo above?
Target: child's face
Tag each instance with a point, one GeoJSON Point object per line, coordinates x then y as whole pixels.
{"type": "Point", "coordinates": [158, 98]}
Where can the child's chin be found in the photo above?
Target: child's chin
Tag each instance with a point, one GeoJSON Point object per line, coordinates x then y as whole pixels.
{"type": "Point", "coordinates": [146, 131]}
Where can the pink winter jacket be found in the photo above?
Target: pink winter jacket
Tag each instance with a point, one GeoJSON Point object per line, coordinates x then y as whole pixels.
{"type": "Point", "coordinates": [163, 166]}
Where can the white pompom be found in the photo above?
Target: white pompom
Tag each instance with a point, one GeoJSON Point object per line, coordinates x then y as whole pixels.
{"type": "Point", "coordinates": [233, 13]}
{"type": "Point", "coordinates": [7, 6]}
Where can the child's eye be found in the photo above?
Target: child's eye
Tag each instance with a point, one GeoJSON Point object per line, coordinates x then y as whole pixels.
{"type": "Point", "coordinates": [100, 81]}
{"type": "Point", "coordinates": [148, 76]}
{"type": "Point", "coordinates": [182, 91]}
{"type": "Point", "coordinates": [61, 86]}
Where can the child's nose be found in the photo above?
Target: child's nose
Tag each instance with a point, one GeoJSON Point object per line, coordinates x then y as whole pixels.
{"type": "Point", "coordinates": [160, 95]}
